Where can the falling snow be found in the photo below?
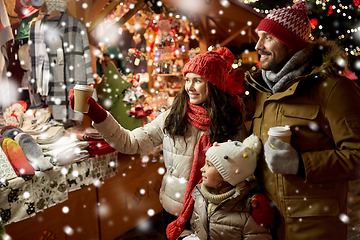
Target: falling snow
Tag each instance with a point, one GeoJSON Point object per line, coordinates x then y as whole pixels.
{"type": "Point", "coordinates": [97, 183]}
{"type": "Point", "coordinates": [341, 62]}
{"type": "Point", "coordinates": [26, 195]}
{"type": "Point", "coordinates": [151, 212]}
{"type": "Point", "coordinates": [68, 230]}
{"type": "Point", "coordinates": [161, 171]}
{"type": "Point", "coordinates": [65, 210]}
{"type": "Point", "coordinates": [344, 218]}
{"type": "Point", "coordinates": [314, 126]}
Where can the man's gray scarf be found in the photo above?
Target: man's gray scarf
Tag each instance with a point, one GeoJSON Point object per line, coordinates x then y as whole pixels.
{"type": "Point", "coordinates": [292, 69]}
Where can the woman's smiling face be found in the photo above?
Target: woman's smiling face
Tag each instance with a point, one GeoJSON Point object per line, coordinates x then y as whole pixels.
{"type": "Point", "coordinates": [195, 86]}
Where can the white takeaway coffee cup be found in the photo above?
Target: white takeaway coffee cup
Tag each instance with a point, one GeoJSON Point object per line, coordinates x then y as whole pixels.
{"type": "Point", "coordinates": [281, 133]}
{"type": "Point", "coordinates": [81, 94]}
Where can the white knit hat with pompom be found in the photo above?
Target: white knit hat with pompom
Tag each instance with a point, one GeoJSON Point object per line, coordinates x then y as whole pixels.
{"type": "Point", "coordinates": [235, 161]}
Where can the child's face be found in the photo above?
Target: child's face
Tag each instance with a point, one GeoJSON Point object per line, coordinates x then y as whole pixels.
{"type": "Point", "coordinates": [195, 86]}
{"type": "Point", "coordinates": [211, 176]}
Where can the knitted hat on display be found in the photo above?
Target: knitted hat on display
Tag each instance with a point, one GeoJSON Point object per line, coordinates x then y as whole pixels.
{"type": "Point", "coordinates": [113, 52]}
{"type": "Point", "coordinates": [235, 161]}
{"type": "Point", "coordinates": [23, 11]}
{"type": "Point", "coordinates": [34, 3]}
{"type": "Point", "coordinates": [58, 5]}
{"type": "Point", "coordinates": [20, 105]}
{"type": "Point", "coordinates": [214, 66]}
{"type": "Point", "coordinates": [290, 25]}
{"type": "Point", "coordinates": [26, 3]}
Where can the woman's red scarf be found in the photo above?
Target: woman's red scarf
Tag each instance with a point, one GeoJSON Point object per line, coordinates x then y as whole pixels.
{"type": "Point", "coordinates": [199, 118]}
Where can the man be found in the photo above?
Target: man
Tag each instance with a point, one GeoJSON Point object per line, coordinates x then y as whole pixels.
{"type": "Point", "coordinates": [300, 84]}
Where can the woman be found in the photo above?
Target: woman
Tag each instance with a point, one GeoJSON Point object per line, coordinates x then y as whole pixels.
{"type": "Point", "coordinates": [203, 112]}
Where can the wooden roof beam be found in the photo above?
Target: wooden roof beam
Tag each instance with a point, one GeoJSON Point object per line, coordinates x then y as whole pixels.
{"type": "Point", "coordinates": [99, 5]}
{"type": "Point", "coordinates": [233, 36]}
{"type": "Point", "coordinates": [139, 5]}
{"type": "Point", "coordinates": [216, 24]}
{"type": "Point", "coordinates": [202, 22]}
{"type": "Point", "coordinates": [120, 22]}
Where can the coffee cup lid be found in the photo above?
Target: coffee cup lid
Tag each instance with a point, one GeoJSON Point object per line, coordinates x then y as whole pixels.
{"type": "Point", "coordinates": [84, 87]}
{"type": "Point", "coordinates": [280, 131]}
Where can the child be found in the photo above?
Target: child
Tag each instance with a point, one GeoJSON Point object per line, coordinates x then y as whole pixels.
{"type": "Point", "coordinates": [222, 201]}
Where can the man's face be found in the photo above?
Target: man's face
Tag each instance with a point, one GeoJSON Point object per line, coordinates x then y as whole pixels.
{"type": "Point", "coordinates": [273, 53]}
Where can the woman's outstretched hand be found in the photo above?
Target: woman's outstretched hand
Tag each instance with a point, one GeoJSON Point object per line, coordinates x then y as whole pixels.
{"type": "Point", "coordinates": [96, 113]}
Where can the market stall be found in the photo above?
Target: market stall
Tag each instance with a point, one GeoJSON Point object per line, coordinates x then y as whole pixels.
{"type": "Point", "coordinates": [59, 178]}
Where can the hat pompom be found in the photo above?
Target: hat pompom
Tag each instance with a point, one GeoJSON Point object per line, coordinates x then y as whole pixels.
{"type": "Point", "coordinates": [301, 6]}
{"type": "Point", "coordinates": [253, 142]}
{"type": "Point", "coordinates": [227, 55]}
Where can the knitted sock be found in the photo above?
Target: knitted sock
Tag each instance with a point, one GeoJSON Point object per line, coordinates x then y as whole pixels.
{"type": "Point", "coordinates": [33, 152]}
{"type": "Point", "coordinates": [17, 158]}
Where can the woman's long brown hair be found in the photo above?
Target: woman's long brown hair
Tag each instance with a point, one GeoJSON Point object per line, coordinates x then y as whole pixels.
{"type": "Point", "coordinates": [226, 119]}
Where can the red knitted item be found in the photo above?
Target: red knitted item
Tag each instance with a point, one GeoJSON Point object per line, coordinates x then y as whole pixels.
{"type": "Point", "coordinates": [234, 86]}
{"type": "Point", "coordinates": [290, 25]}
{"type": "Point", "coordinates": [235, 81]}
{"type": "Point", "coordinates": [17, 158]}
{"type": "Point", "coordinates": [96, 113]}
{"type": "Point", "coordinates": [24, 11]}
{"type": "Point", "coordinates": [262, 210]}
{"type": "Point", "coordinates": [198, 117]}
{"type": "Point", "coordinates": [22, 103]}
{"type": "Point", "coordinates": [214, 66]}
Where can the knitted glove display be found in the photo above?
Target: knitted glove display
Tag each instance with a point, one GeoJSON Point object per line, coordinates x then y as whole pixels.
{"type": "Point", "coordinates": [33, 152]}
{"type": "Point", "coordinates": [96, 113]}
{"type": "Point", "coordinates": [281, 157]}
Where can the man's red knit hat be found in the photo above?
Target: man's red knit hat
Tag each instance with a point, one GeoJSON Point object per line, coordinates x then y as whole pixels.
{"type": "Point", "coordinates": [290, 25]}
{"type": "Point", "coordinates": [214, 66]}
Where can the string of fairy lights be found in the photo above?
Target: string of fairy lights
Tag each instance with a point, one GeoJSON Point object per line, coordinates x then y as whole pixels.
{"type": "Point", "coordinates": [347, 12]}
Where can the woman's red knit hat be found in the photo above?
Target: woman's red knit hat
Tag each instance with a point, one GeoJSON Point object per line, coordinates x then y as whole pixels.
{"type": "Point", "coordinates": [214, 66]}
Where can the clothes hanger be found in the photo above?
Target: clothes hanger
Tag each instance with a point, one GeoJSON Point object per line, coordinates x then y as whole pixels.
{"type": "Point", "coordinates": [53, 14]}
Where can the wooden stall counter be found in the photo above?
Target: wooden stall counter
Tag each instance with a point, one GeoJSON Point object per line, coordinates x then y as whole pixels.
{"type": "Point", "coordinates": [75, 218]}
{"type": "Point", "coordinates": [132, 196]}
{"type": "Point", "coordinates": [104, 209]}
